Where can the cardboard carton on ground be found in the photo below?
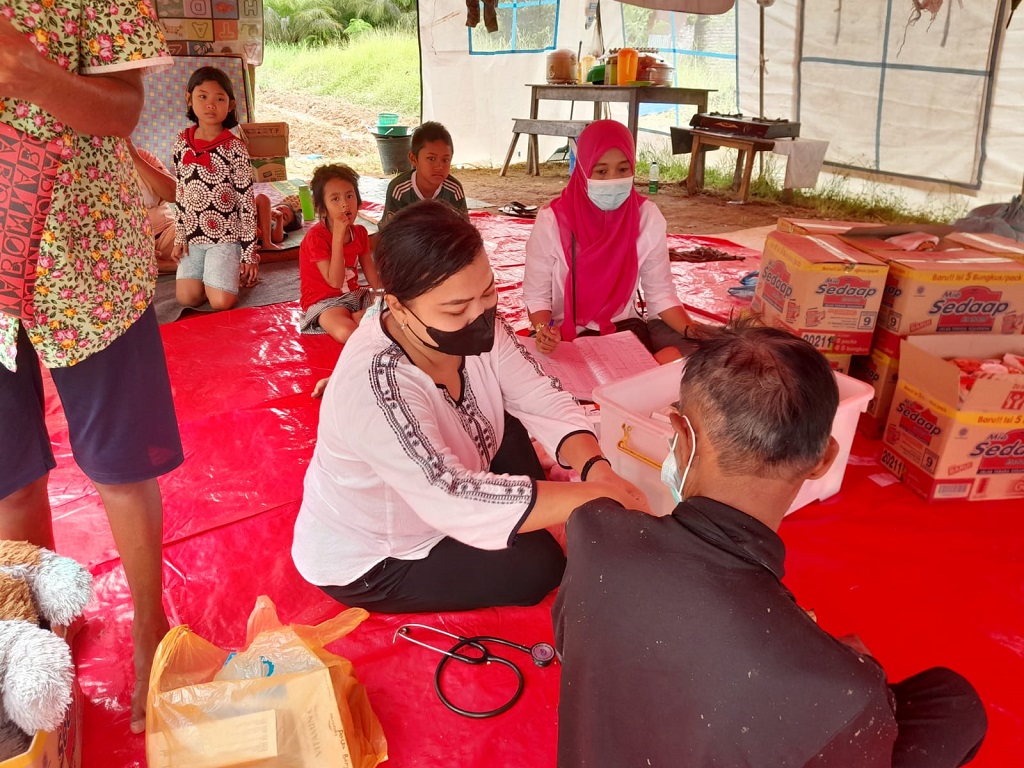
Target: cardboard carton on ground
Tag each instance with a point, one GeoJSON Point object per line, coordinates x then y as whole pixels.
{"type": "Point", "coordinates": [266, 139]}
{"type": "Point", "coordinates": [817, 226]}
{"type": "Point", "coordinates": [984, 241]}
{"type": "Point", "coordinates": [269, 169]}
{"type": "Point", "coordinates": [820, 289]}
{"type": "Point", "coordinates": [61, 748]}
{"type": "Point", "coordinates": [943, 449]}
{"type": "Point", "coordinates": [268, 148]}
{"type": "Point", "coordinates": [952, 292]}
{"type": "Point", "coordinates": [880, 371]}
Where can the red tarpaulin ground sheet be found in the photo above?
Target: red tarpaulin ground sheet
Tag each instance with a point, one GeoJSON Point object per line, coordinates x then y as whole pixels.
{"type": "Point", "coordinates": [921, 584]}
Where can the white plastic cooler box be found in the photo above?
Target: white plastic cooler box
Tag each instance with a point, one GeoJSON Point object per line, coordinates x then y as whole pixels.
{"type": "Point", "coordinates": [636, 444]}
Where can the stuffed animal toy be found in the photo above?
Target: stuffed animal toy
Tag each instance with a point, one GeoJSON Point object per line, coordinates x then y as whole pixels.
{"type": "Point", "coordinates": [36, 670]}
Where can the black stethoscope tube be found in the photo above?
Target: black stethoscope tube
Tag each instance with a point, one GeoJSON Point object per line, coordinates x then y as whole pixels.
{"type": "Point", "coordinates": [541, 653]}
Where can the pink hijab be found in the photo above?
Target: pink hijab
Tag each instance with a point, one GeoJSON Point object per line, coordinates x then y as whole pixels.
{"type": "Point", "coordinates": [606, 259]}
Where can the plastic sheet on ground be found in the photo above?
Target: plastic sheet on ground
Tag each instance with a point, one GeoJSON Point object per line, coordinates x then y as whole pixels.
{"type": "Point", "coordinates": [921, 584]}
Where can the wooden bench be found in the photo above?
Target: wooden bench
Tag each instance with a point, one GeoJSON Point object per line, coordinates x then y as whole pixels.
{"type": "Point", "coordinates": [745, 146]}
{"type": "Point", "coordinates": [570, 129]}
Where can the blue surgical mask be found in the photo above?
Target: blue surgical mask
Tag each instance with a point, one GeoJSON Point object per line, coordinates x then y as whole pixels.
{"type": "Point", "coordinates": [670, 467]}
{"type": "Point", "coordinates": [609, 194]}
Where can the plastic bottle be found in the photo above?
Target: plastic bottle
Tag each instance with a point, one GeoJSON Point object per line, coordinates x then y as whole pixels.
{"type": "Point", "coordinates": [628, 62]}
{"type": "Point", "coordinates": [306, 199]}
{"type": "Point", "coordinates": [653, 177]}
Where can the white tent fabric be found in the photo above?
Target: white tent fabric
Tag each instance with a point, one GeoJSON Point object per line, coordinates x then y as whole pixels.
{"type": "Point", "coordinates": [937, 114]}
{"type": "Point", "coordinates": [478, 95]}
{"type": "Point", "coordinates": [942, 125]}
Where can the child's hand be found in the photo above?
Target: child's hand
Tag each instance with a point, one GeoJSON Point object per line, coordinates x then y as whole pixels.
{"type": "Point", "coordinates": [340, 224]}
{"type": "Point", "coordinates": [177, 253]}
{"type": "Point", "coordinates": [248, 274]}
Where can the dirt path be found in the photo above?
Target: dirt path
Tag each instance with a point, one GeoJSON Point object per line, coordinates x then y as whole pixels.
{"type": "Point", "coordinates": [336, 131]}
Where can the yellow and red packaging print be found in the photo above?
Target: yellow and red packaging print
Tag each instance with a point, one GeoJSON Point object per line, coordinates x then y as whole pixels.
{"type": "Point", "coordinates": [943, 448]}
{"type": "Point", "coordinates": [984, 241]}
{"type": "Point", "coordinates": [839, 363]}
{"type": "Point", "coordinates": [881, 372]}
{"type": "Point", "coordinates": [820, 289]}
{"type": "Point", "coordinates": [938, 293]}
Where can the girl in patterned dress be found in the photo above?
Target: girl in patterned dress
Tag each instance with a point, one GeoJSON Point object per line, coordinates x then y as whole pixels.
{"type": "Point", "coordinates": [215, 241]}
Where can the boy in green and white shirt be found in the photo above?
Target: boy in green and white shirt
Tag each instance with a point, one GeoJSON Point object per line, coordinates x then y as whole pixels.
{"type": "Point", "coordinates": [431, 158]}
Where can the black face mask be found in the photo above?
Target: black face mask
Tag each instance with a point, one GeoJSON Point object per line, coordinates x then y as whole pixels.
{"type": "Point", "coordinates": [474, 339]}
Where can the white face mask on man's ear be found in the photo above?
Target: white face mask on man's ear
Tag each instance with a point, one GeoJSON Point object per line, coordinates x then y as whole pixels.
{"type": "Point", "coordinates": [670, 467]}
{"type": "Point", "coordinates": [609, 194]}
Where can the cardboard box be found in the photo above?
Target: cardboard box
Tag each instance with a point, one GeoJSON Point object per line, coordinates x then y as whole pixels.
{"type": "Point", "coordinates": [840, 363]}
{"type": "Point", "coordinates": [266, 139]}
{"type": "Point", "coordinates": [943, 449]}
{"type": "Point", "coordinates": [820, 289]}
{"type": "Point", "coordinates": [880, 371]}
{"type": "Point", "coordinates": [817, 226]}
{"type": "Point", "coordinates": [984, 241]}
{"type": "Point", "coordinates": [269, 169]}
{"type": "Point", "coordinates": [268, 148]}
{"type": "Point", "coordinates": [943, 292]}
{"type": "Point", "coordinates": [55, 749]}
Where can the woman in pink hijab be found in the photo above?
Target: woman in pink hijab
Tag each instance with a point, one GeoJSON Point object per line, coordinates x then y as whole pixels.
{"type": "Point", "coordinates": [597, 248]}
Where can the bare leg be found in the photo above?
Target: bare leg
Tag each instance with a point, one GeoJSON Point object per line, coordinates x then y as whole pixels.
{"type": "Point", "coordinates": [221, 300]}
{"type": "Point", "coordinates": [263, 219]}
{"type": "Point", "coordinates": [263, 224]}
{"type": "Point", "coordinates": [339, 323]}
{"type": "Point", "coordinates": [189, 292]}
{"type": "Point", "coordinates": [25, 515]}
{"type": "Point", "coordinates": [135, 512]}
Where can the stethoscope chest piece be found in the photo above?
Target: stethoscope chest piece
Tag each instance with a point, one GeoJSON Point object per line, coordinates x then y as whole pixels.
{"type": "Point", "coordinates": [473, 651]}
{"type": "Point", "coordinates": [542, 654]}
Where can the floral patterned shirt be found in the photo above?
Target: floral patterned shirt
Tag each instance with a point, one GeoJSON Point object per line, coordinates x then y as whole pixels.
{"type": "Point", "coordinates": [96, 272]}
{"type": "Point", "coordinates": [214, 196]}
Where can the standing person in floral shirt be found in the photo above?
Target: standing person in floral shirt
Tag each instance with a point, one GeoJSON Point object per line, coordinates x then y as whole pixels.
{"type": "Point", "coordinates": [72, 70]}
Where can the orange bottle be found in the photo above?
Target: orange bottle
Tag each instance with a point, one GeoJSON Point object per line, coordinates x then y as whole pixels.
{"type": "Point", "coordinates": [628, 61]}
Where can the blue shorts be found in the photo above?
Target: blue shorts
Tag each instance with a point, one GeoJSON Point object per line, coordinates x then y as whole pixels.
{"type": "Point", "coordinates": [216, 265]}
{"type": "Point", "coordinates": [118, 405]}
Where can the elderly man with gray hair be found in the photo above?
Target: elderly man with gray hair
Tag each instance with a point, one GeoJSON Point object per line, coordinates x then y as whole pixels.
{"type": "Point", "coordinates": [680, 644]}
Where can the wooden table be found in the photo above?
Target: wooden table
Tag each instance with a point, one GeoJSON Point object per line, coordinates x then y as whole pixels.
{"type": "Point", "coordinates": [632, 95]}
{"type": "Point", "coordinates": [745, 146]}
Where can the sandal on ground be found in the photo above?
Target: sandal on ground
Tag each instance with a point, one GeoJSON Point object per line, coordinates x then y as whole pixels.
{"type": "Point", "coordinates": [516, 208]}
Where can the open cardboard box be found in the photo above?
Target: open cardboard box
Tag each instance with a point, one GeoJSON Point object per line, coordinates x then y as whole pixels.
{"type": "Point", "coordinates": [61, 748]}
{"type": "Point", "coordinates": [268, 148]}
{"type": "Point", "coordinates": [942, 448]}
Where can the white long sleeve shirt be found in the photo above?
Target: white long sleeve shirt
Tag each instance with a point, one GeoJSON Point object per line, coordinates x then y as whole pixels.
{"type": "Point", "coordinates": [546, 270]}
{"type": "Point", "coordinates": [399, 465]}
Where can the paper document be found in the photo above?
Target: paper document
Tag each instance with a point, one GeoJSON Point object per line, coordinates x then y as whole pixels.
{"type": "Point", "coordinates": [591, 361]}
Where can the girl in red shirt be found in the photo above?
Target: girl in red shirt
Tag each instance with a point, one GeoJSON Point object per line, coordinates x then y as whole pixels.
{"type": "Point", "coordinates": [332, 251]}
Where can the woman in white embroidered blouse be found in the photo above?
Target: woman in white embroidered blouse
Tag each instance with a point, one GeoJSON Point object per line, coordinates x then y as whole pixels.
{"type": "Point", "coordinates": [424, 492]}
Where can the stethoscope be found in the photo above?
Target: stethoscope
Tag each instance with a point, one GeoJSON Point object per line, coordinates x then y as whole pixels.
{"type": "Point", "coordinates": [542, 655]}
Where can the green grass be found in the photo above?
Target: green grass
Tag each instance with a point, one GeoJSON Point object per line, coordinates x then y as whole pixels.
{"type": "Point", "coordinates": [832, 198]}
{"type": "Point", "coordinates": [378, 70]}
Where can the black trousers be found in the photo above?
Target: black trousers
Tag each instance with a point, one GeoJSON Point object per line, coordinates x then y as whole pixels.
{"type": "Point", "coordinates": [458, 577]}
{"type": "Point", "coordinates": [941, 720]}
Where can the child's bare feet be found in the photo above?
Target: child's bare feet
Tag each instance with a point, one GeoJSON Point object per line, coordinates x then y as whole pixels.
{"type": "Point", "coordinates": [145, 640]}
{"type": "Point", "coordinates": [271, 247]}
{"type": "Point", "coordinates": [318, 390]}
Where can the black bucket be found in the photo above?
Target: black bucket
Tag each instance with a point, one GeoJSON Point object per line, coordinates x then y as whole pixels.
{"type": "Point", "coordinates": [394, 153]}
